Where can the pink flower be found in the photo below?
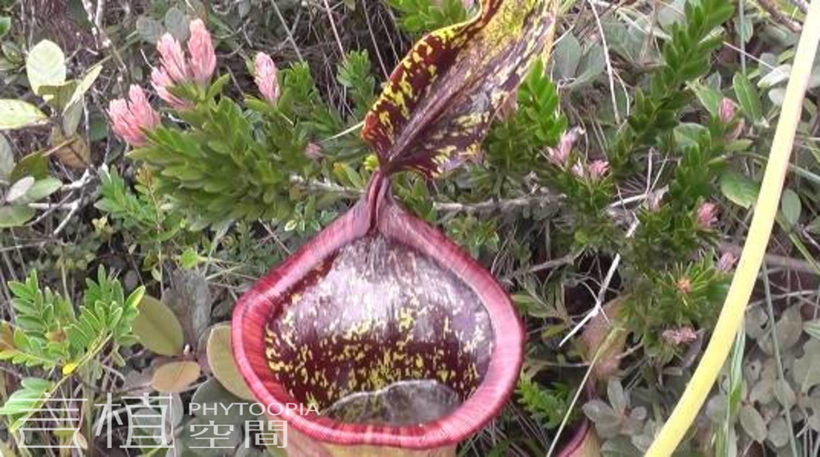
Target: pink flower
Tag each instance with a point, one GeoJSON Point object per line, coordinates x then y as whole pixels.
{"type": "Point", "coordinates": [597, 169]}
{"type": "Point", "coordinates": [131, 119]}
{"type": "Point", "coordinates": [313, 151]}
{"type": "Point", "coordinates": [726, 110]}
{"type": "Point", "coordinates": [144, 115]}
{"type": "Point", "coordinates": [705, 216]}
{"type": "Point", "coordinates": [676, 336]}
{"type": "Point", "coordinates": [726, 262]}
{"type": "Point", "coordinates": [201, 50]}
{"type": "Point", "coordinates": [265, 77]}
{"type": "Point", "coordinates": [172, 59]}
{"type": "Point", "coordinates": [162, 83]}
{"type": "Point", "coordinates": [560, 154]}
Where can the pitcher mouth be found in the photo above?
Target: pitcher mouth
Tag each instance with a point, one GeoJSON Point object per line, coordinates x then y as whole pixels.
{"type": "Point", "coordinates": [373, 315]}
{"type": "Point", "coordinates": [489, 359]}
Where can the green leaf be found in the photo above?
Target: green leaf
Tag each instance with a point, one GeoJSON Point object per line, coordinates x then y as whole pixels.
{"type": "Point", "coordinates": [222, 363]}
{"type": "Point", "coordinates": [41, 189]}
{"type": "Point", "coordinates": [177, 24]}
{"type": "Point", "coordinates": [158, 328]}
{"type": "Point", "coordinates": [617, 397]}
{"type": "Point", "coordinates": [671, 14]}
{"type": "Point", "coordinates": [149, 29]}
{"type": "Point", "coordinates": [812, 328]}
{"type": "Point", "coordinates": [739, 189]}
{"type": "Point", "coordinates": [607, 421]}
{"type": "Point", "coordinates": [189, 258]}
{"type": "Point", "coordinates": [748, 98]}
{"type": "Point", "coordinates": [175, 376]}
{"type": "Point", "coordinates": [591, 66]}
{"type": "Point", "coordinates": [28, 396]}
{"type": "Point", "coordinates": [19, 188]}
{"type": "Point", "coordinates": [34, 165]}
{"type": "Point", "coordinates": [15, 114]}
{"type": "Point", "coordinates": [709, 98]}
{"type": "Point", "coordinates": [83, 85]}
{"type": "Point", "coordinates": [687, 134]}
{"type": "Point", "coordinates": [45, 65]}
{"type": "Point", "coordinates": [753, 423]}
{"type": "Point", "coordinates": [806, 369]}
{"type": "Point", "coordinates": [567, 56]}
{"type": "Point", "coordinates": [15, 216]}
{"type": "Point", "coordinates": [57, 96]}
{"type": "Point", "coordinates": [778, 75]}
{"type": "Point", "coordinates": [779, 432]}
{"type": "Point", "coordinates": [790, 206]}
{"type": "Point", "coordinates": [6, 159]}
{"type": "Point", "coordinates": [5, 25]}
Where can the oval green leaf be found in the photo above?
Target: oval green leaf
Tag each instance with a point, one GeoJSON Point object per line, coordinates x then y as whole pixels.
{"type": "Point", "coordinates": [15, 216]}
{"type": "Point", "coordinates": [15, 114]}
{"type": "Point", "coordinates": [175, 376]}
{"type": "Point", "coordinates": [790, 206]}
{"type": "Point", "coordinates": [223, 365]}
{"type": "Point", "coordinates": [45, 65]}
{"type": "Point", "coordinates": [739, 189]}
{"type": "Point", "coordinates": [41, 189]}
{"type": "Point", "coordinates": [157, 327]}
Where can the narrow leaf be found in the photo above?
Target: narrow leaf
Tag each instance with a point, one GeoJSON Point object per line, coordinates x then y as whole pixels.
{"type": "Point", "coordinates": [748, 98]}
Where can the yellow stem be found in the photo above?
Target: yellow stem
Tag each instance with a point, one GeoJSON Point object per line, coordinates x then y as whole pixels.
{"type": "Point", "coordinates": [731, 315]}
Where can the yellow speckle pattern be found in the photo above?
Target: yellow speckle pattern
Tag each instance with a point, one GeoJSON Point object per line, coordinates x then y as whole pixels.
{"type": "Point", "coordinates": [439, 102]}
{"type": "Point", "coordinates": [378, 314]}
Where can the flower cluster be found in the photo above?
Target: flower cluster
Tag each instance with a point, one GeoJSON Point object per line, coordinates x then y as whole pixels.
{"type": "Point", "coordinates": [130, 119]}
{"type": "Point", "coordinates": [175, 68]}
{"type": "Point", "coordinates": [560, 157]}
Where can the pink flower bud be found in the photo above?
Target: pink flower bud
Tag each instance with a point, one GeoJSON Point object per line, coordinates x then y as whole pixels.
{"type": "Point", "coordinates": [172, 59]}
{"type": "Point", "coordinates": [578, 170]}
{"type": "Point", "coordinates": [131, 119]}
{"type": "Point", "coordinates": [161, 83]}
{"type": "Point", "coordinates": [201, 49]}
{"type": "Point", "coordinates": [313, 151]}
{"type": "Point", "coordinates": [726, 111]}
{"type": "Point", "coordinates": [560, 154]}
{"type": "Point", "coordinates": [726, 262]}
{"type": "Point", "coordinates": [705, 216]}
{"type": "Point", "coordinates": [597, 169]}
{"type": "Point", "coordinates": [684, 285]}
{"type": "Point", "coordinates": [265, 77]}
{"type": "Point", "coordinates": [677, 336]}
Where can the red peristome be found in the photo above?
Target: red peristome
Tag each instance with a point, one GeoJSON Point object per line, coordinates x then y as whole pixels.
{"type": "Point", "coordinates": [378, 213]}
